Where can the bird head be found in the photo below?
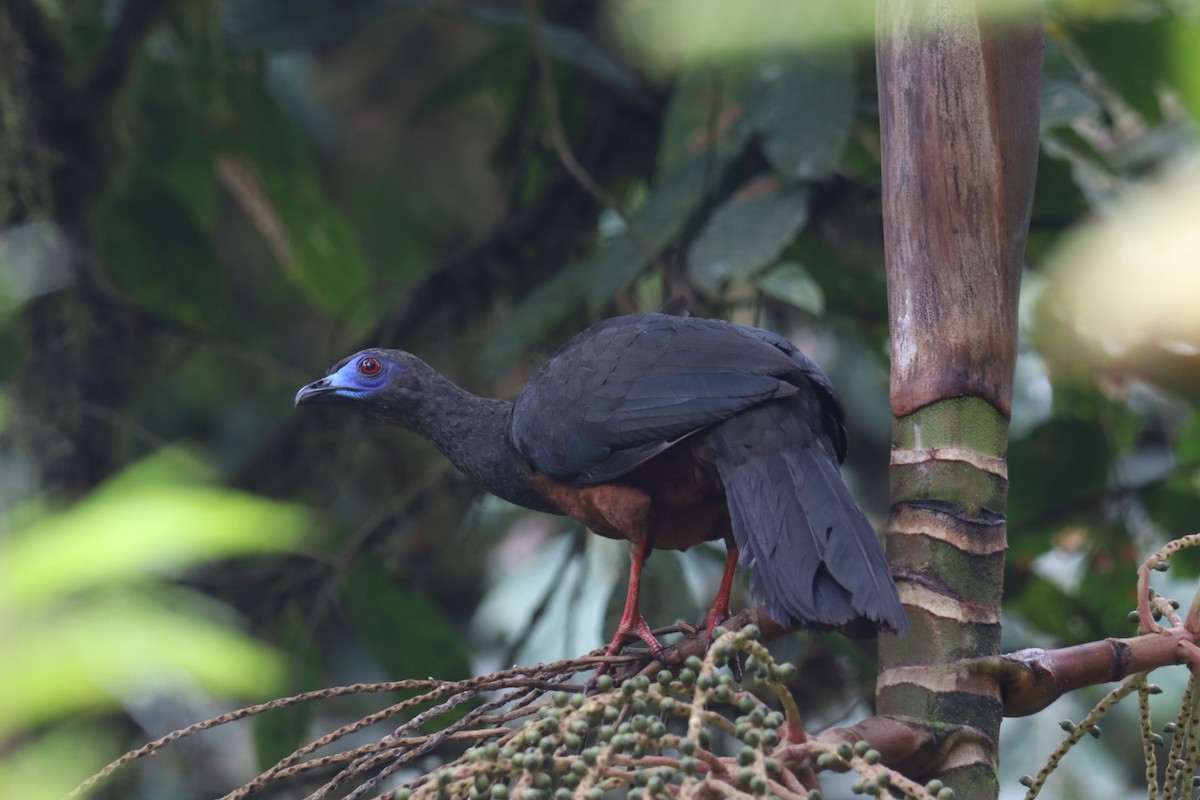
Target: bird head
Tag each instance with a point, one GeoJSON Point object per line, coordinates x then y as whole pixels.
{"type": "Point", "coordinates": [378, 383]}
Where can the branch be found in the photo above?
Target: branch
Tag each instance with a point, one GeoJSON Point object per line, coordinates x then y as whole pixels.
{"type": "Point", "coordinates": [531, 729]}
{"type": "Point", "coordinates": [1032, 679]}
{"type": "Point", "coordinates": [1029, 679]}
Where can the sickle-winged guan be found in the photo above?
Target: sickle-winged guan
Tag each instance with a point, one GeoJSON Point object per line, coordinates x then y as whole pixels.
{"type": "Point", "coordinates": [666, 431]}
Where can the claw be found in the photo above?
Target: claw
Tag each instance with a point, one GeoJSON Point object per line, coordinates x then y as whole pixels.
{"type": "Point", "coordinates": [720, 607]}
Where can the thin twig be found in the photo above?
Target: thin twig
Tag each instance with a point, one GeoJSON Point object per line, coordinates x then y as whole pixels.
{"type": "Point", "coordinates": [559, 138]}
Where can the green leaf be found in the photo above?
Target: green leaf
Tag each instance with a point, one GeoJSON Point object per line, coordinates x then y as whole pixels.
{"type": "Point", "coordinates": [1045, 606]}
{"type": "Point", "coordinates": [282, 190]}
{"type": "Point", "coordinates": [1066, 102]}
{"type": "Point", "coordinates": [1185, 60]}
{"type": "Point", "coordinates": [662, 34]}
{"type": "Point", "coordinates": [655, 223]}
{"type": "Point", "coordinates": [804, 107]}
{"type": "Point", "coordinates": [406, 631]}
{"type": "Point", "coordinates": [63, 659]}
{"type": "Point", "coordinates": [706, 106]}
{"type": "Point", "coordinates": [174, 465]}
{"type": "Point", "coordinates": [1090, 611]}
{"type": "Point", "coordinates": [543, 309]}
{"type": "Point", "coordinates": [1060, 464]}
{"type": "Point", "coordinates": [747, 233]}
{"type": "Point", "coordinates": [1187, 445]}
{"type": "Point", "coordinates": [52, 763]}
{"type": "Point", "coordinates": [330, 266]}
{"type": "Point", "coordinates": [117, 536]}
{"type": "Point", "coordinates": [154, 249]}
{"type": "Point", "coordinates": [1131, 56]}
{"type": "Point", "coordinates": [1175, 508]}
{"type": "Point", "coordinates": [846, 265]}
{"type": "Point", "coordinates": [563, 44]}
{"type": "Point", "coordinates": [791, 283]}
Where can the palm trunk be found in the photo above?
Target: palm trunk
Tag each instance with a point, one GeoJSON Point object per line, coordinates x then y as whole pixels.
{"type": "Point", "coordinates": [959, 98]}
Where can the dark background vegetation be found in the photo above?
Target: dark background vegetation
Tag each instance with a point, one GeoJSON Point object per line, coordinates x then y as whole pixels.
{"type": "Point", "coordinates": [204, 204]}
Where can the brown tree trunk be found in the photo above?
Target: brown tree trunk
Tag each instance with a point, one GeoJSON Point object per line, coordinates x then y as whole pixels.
{"type": "Point", "coordinates": [959, 98]}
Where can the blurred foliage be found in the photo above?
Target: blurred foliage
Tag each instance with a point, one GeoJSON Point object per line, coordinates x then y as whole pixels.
{"type": "Point", "coordinates": [91, 621]}
{"type": "Point", "coordinates": [204, 204]}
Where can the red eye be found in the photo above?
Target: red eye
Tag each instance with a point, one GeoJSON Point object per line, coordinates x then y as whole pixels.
{"type": "Point", "coordinates": [370, 366]}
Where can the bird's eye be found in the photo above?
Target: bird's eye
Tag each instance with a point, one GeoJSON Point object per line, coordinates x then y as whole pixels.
{"type": "Point", "coordinates": [370, 366]}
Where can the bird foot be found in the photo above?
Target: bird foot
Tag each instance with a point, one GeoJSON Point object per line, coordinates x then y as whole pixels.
{"type": "Point", "coordinates": [716, 616]}
{"type": "Point", "coordinates": [628, 630]}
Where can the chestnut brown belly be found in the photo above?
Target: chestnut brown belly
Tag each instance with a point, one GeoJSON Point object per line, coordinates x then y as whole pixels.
{"type": "Point", "coordinates": [673, 499]}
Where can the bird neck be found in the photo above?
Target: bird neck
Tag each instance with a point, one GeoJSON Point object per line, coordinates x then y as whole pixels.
{"type": "Point", "coordinates": [475, 433]}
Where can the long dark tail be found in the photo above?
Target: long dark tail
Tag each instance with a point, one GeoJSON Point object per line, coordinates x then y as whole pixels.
{"type": "Point", "coordinates": [816, 560]}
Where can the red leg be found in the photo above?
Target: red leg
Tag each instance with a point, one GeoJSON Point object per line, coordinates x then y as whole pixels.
{"type": "Point", "coordinates": [720, 607]}
{"type": "Point", "coordinates": [633, 624]}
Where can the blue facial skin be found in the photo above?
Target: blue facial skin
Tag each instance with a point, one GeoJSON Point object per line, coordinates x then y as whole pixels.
{"type": "Point", "coordinates": [361, 375]}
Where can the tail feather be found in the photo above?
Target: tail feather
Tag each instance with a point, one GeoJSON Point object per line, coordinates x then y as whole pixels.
{"type": "Point", "coordinates": [815, 559]}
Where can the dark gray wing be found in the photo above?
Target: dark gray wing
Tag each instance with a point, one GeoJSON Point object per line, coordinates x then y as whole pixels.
{"type": "Point", "coordinates": [628, 388]}
{"type": "Point", "coordinates": [833, 416]}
